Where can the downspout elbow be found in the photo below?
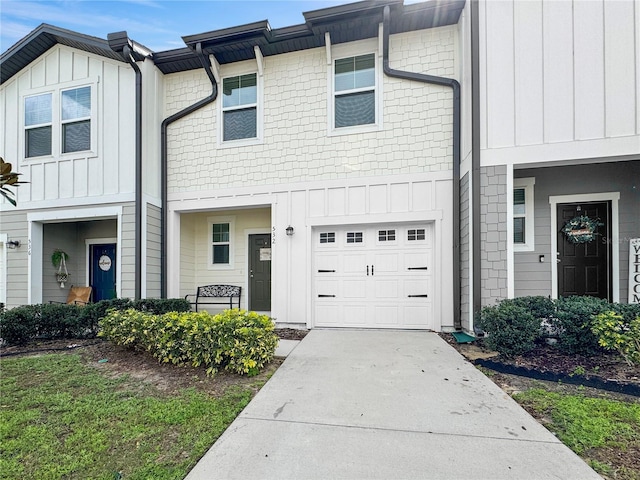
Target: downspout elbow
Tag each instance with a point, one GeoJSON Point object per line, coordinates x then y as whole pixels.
{"type": "Point", "coordinates": [204, 61]}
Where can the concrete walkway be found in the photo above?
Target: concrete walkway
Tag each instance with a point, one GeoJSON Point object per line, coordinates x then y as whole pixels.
{"type": "Point", "coordinates": [364, 404]}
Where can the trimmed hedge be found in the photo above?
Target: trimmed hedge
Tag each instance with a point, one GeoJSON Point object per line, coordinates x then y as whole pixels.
{"type": "Point", "coordinates": [234, 340]}
{"type": "Point", "coordinates": [514, 326]}
{"type": "Point", "coordinates": [54, 321]}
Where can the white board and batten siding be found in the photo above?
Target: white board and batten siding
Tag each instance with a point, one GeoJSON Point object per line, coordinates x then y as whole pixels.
{"type": "Point", "coordinates": [559, 80]}
{"type": "Point", "coordinates": [104, 172]}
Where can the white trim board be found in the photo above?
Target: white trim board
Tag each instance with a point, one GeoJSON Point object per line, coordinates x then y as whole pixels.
{"type": "Point", "coordinates": [612, 197]}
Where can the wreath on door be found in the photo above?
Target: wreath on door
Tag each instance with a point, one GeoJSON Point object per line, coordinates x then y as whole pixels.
{"type": "Point", "coordinates": [581, 229]}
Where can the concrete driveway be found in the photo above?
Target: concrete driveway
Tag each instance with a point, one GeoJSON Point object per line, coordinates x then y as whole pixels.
{"type": "Point", "coordinates": [369, 404]}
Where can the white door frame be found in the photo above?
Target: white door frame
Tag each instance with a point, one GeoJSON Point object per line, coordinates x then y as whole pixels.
{"type": "Point", "coordinates": [4, 238]}
{"type": "Point", "coordinates": [612, 197]}
{"type": "Point", "coordinates": [247, 232]}
{"type": "Point", "coordinates": [87, 249]}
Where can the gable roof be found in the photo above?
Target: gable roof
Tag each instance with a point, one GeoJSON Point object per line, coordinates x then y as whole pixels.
{"type": "Point", "coordinates": [42, 39]}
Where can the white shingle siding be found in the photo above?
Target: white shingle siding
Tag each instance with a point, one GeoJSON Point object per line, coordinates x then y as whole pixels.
{"type": "Point", "coordinates": [416, 137]}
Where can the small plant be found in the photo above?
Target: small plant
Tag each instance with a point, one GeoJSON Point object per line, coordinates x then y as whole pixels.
{"type": "Point", "coordinates": [615, 333]}
{"type": "Point", "coordinates": [579, 370]}
{"type": "Point", "coordinates": [57, 256]}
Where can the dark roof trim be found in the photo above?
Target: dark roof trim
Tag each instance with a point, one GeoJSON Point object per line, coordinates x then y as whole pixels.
{"type": "Point", "coordinates": [346, 23]}
{"type": "Point", "coordinates": [42, 39]}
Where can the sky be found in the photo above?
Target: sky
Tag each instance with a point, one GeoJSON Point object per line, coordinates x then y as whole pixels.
{"type": "Point", "coordinates": [157, 24]}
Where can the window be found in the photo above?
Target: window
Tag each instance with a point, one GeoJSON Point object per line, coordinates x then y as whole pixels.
{"type": "Point", "coordinates": [328, 237]}
{"type": "Point", "coordinates": [354, 91]}
{"type": "Point", "coordinates": [220, 243]}
{"type": "Point", "coordinates": [386, 235]}
{"type": "Point", "coordinates": [354, 237]}
{"type": "Point", "coordinates": [76, 119]}
{"type": "Point", "coordinates": [240, 107]}
{"type": "Point", "coordinates": [37, 124]}
{"type": "Point", "coordinates": [523, 221]}
{"type": "Point", "coordinates": [415, 234]}
{"type": "Point", "coordinates": [58, 122]}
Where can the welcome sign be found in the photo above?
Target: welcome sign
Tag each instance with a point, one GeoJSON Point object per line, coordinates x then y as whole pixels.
{"type": "Point", "coordinates": [634, 270]}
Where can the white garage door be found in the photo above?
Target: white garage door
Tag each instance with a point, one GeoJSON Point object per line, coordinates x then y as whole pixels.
{"type": "Point", "coordinates": [374, 276]}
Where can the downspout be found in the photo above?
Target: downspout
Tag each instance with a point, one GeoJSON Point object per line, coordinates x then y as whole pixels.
{"type": "Point", "coordinates": [453, 84]}
{"type": "Point", "coordinates": [126, 51]}
{"type": "Point", "coordinates": [163, 160]}
{"type": "Point", "coordinates": [475, 159]}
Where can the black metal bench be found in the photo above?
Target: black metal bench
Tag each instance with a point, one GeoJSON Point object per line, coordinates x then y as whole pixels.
{"type": "Point", "coordinates": [207, 294]}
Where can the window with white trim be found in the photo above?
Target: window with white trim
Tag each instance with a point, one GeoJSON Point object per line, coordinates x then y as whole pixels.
{"type": "Point", "coordinates": [354, 237]}
{"type": "Point", "coordinates": [328, 237]}
{"type": "Point", "coordinates": [523, 214]}
{"type": "Point", "coordinates": [386, 235]}
{"type": "Point", "coordinates": [414, 234]}
{"type": "Point", "coordinates": [59, 122]}
{"type": "Point", "coordinates": [221, 238]}
{"type": "Point", "coordinates": [38, 125]}
{"type": "Point", "coordinates": [354, 89]}
{"type": "Point", "coordinates": [75, 117]}
{"type": "Point", "coordinates": [240, 107]}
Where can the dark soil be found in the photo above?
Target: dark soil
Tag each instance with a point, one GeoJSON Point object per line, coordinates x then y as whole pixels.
{"type": "Point", "coordinates": [291, 333]}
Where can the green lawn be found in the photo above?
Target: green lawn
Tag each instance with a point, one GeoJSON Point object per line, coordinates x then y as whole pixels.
{"type": "Point", "coordinates": [60, 418]}
{"type": "Point", "coordinates": [606, 433]}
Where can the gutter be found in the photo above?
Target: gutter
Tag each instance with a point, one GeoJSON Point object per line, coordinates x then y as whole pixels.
{"type": "Point", "coordinates": [453, 84]}
{"type": "Point", "coordinates": [163, 161]}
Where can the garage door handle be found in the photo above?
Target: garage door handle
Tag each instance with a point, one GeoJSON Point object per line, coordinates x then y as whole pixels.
{"type": "Point", "coordinates": [421, 296]}
{"type": "Point", "coordinates": [326, 271]}
{"type": "Point", "coordinates": [418, 268]}
{"type": "Point", "coordinates": [326, 296]}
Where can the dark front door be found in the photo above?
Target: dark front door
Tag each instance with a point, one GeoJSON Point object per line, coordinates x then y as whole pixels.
{"type": "Point", "coordinates": [102, 271]}
{"type": "Point", "coordinates": [260, 272]}
{"type": "Point", "coordinates": [584, 268]}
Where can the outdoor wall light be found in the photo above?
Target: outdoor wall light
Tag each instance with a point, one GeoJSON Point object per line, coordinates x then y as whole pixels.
{"type": "Point", "coordinates": [289, 230]}
{"type": "Point", "coordinates": [13, 243]}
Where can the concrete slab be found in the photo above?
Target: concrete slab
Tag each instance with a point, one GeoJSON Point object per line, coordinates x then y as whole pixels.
{"type": "Point", "coordinates": [285, 347]}
{"type": "Point", "coordinates": [384, 404]}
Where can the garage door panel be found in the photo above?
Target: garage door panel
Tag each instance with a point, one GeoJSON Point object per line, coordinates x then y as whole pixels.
{"type": "Point", "coordinates": [354, 289]}
{"type": "Point", "coordinates": [385, 263]}
{"type": "Point", "coordinates": [415, 287]}
{"type": "Point", "coordinates": [416, 260]}
{"type": "Point", "coordinates": [386, 316]}
{"type": "Point", "coordinates": [354, 263]}
{"type": "Point", "coordinates": [386, 289]}
{"type": "Point", "coordinates": [326, 263]}
{"type": "Point", "coordinates": [355, 315]}
{"type": "Point", "coordinates": [327, 287]}
{"type": "Point", "coordinates": [330, 314]}
{"type": "Point", "coordinates": [416, 316]}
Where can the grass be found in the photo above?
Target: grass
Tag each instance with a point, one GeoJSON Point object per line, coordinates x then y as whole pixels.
{"type": "Point", "coordinates": [590, 426]}
{"type": "Point", "coordinates": [60, 418]}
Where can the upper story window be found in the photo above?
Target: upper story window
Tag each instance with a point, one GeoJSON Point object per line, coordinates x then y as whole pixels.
{"type": "Point", "coordinates": [76, 119]}
{"type": "Point", "coordinates": [240, 107]}
{"type": "Point", "coordinates": [523, 214]}
{"type": "Point", "coordinates": [58, 122]}
{"type": "Point", "coordinates": [38, 125]}
{"type": "Point", "coordinates": [354, 91]}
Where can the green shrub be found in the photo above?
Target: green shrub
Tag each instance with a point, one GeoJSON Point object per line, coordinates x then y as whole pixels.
{"type": "Point", "coordinates": [53, 321]}
{"type": "Point", "coordinates": [235, 340]}
{"type": "Point", "coordinates": [20, 324]}
{"type": "Point", "coordinates": [615, 332]}
{"type": "Point", "coordinates": [511, 328]}
{"type": "Point", "coordinates": [159, 306]}
{"type": "Point", "coordinates": [573, 321]}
